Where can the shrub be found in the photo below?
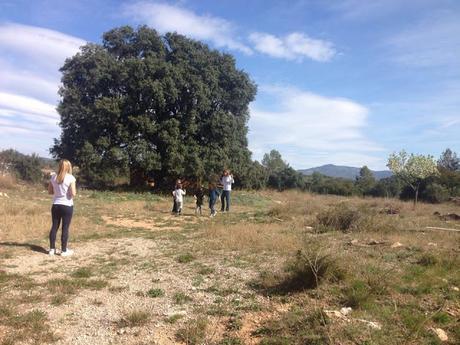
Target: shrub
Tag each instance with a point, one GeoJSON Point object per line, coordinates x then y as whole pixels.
{"type": "Point", "coordinates": [25, 167]}
{"type": "Point", "coordinates": [436, 193]}
{"type": "Point", "coordinates": [306, 270]}
{"type": "Point", "coordinates": [340, 217]}
{"type": "Point", "coordinates": [357, 294]}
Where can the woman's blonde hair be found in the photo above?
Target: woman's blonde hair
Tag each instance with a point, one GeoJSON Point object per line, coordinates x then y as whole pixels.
{"type": "Point", "coordinates": [64, 168]}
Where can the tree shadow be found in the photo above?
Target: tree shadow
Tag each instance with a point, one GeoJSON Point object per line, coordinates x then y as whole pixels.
{"type": "Point", "coordinates": [32, 247]}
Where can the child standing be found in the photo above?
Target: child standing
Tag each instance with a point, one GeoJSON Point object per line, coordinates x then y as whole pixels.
{"type": "Point", "coordinates": [178, 195]}
{"type": "Point", "coordinates": [213, 197]}
{"type": "Point", "coordinates": [174, 209]}
{"type": "Point", "coordinates": [199, 196]}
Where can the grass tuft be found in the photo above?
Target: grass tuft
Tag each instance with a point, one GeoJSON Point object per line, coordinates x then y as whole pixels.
{"type": "Point", "coordinates": [194, 332]}
{"type": "Point", "coordinates": [154, 293]}
{"type": "Point", "coordinates": [134, 318]}
{"type": "Point", "coordinates": [185, 258]}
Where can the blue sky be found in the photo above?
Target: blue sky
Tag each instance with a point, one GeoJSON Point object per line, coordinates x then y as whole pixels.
{"type": "Point", "coordinates": [340, 81]}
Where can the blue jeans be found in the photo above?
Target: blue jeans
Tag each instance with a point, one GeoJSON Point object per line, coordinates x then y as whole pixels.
{"type": "Point", "coordinates": [225, 200]}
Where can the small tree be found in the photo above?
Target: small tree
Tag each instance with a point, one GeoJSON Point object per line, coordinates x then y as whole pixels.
{"type": "Point", "coordinates": [365, 181]}
{"type": "Point", "coordinates": [412, 169]}
{"type": "Point", "coordinates": [449, 161]}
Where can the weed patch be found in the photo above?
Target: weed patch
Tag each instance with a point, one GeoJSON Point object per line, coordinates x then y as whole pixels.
{"type": "Point", "coordinates": [154, 293]}
{"type": "Point", "coordinates": [181, 298]}
{"type": "Point", "coordinates": [296, 327]}
{"type": "Point", "coordinates": [185, 258]}
{"type": "Point", "coordinates": [134, 318]}
{"type": "Point", "coordinates": [194, 332]}
{"type": "Point", "coordinates": [30, 327]}
{"type": "Point", "coordinates": [82, 272]}
{"type": "Point", "coordinates": [71, 286]}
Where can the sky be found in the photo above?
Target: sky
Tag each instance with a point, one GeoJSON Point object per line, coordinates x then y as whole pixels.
{"type": "Point", "coordinates": [345, 82]}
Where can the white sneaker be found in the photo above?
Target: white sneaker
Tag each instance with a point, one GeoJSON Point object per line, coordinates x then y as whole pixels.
{"type": "Point", "coordinates": [68, 252]}
{"type": "Point", "coordinates": [51, 252]}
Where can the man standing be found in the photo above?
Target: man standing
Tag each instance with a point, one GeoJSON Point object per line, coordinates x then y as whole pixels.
{"type": "Point", "coordinates": [226, 181]}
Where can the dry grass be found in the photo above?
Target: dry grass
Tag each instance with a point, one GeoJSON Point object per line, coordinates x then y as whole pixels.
{"type": "Point", "coordinates": [249, 237]}
{"type": "Point", "coordinates": [268, 265]}
{"type": "Point", "coordinates": [7, 182]}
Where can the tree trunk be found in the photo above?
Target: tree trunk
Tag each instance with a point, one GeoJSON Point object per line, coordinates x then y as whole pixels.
{"type": "Point", "coordinates": [137, 178]}
{"type": "Point", "coordinates": [416, 197]}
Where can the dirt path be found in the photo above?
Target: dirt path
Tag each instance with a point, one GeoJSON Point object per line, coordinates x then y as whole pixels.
{"type": "Point", "coordinates": [130, 267]}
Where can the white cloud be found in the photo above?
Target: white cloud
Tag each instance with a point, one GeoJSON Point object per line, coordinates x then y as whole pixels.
{"type": "Point", "coordinates": [294, 46]}
{"type": "Point", "coordinates": [432, 42]}
{"type": "Point", "coordinates": [48, 45]}
{"type": "Point", "coordinates": [30, 58]}
{"type": "Point", "coordinates": [169, 18]}
{"type": "Point", "coordinates": [28, 106]}
{"type": "Point", "coordinates": [310, 129]}
{"type": "Point", "coordinates": [17, 80]}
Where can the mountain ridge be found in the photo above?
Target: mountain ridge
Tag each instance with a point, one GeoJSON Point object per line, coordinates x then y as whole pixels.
{"type": "Point", "coordinates": [343, 171]}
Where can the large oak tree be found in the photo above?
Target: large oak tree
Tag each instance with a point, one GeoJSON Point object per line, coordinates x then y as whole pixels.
{"type": "Point", "coordinates": [143, 104]}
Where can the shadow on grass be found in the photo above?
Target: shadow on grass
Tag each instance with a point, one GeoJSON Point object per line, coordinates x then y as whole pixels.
{"type": "Point", "coordinates": [282, 286]}
{"type": "Point", "coordinates": [32, 247]}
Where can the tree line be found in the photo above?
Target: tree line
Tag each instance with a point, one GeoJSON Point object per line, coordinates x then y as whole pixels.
{"type": "Point", "coordinates": [416, 177]}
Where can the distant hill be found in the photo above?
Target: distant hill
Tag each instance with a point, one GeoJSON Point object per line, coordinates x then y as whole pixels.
{"type": "Point", "coordinates": [343, 171]}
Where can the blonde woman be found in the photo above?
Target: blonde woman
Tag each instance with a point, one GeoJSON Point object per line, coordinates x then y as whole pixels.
{"type": "Point", "coordinates": [63, 188]}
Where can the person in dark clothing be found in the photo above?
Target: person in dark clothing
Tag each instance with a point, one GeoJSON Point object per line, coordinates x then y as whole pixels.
{"type": "Point", "coordinates": [213, 197]}
{"type": "Point", "coordinates": [199, 197]}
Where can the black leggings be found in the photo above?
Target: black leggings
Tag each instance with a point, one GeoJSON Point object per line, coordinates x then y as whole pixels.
{"type": "Point", "coordinates": [58, 213]}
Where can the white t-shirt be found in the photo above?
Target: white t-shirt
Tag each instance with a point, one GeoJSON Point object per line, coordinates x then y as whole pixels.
{"type": "Point", "coordinates": [178, 195]}
{"type": "Point", "coordinates": [62, 193]}
{"type": "Point", "coordinates": [227, 182]}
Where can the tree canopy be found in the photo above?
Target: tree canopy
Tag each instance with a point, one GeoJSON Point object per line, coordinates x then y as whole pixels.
{"type": "Point", "coordinates": [412, 169]}
{"type": "Point", "coordinates": [365, 181]}
{"type": "Point", "coordinates": [144, 105]}
{"type": "Point", "coordinates": [449, 161]}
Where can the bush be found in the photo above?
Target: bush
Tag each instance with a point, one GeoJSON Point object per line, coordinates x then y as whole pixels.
{"type": "Point", "coordinates": [307, 270]}
{"type": "Point", "coordinates": [25, 167]}
{"type": "Point", "coordinates": [436, 193]}
{"type": "Point", "coordinates": [357, 294]}
{"type": "Point", "coordinates": [340, 217]}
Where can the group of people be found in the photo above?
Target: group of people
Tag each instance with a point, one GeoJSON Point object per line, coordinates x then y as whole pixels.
{"type": "Point", "coordinates": [215, 190]}
{"type": "Point", "coordinates": [62, 185]}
